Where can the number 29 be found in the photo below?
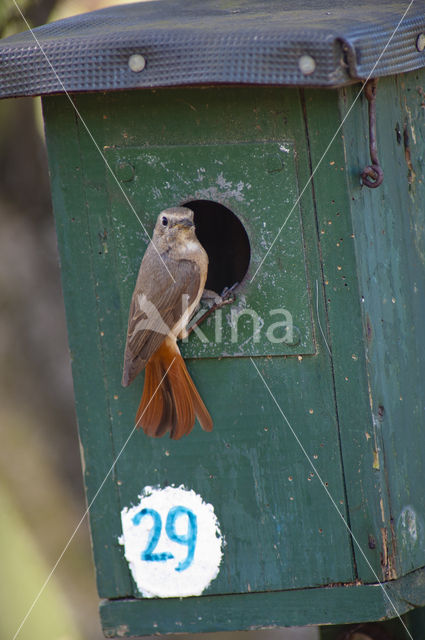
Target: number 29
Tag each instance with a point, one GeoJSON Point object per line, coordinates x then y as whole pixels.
{"type": "Point", "coordinates": [187, 539]}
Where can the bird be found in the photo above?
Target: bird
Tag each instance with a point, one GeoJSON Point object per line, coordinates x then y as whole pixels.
{"type": "Point", "coordinates": [168, 288]}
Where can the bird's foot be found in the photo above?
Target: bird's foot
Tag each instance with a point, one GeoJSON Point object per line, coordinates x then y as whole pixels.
{"type": "Point", "coordinates": [216, 302]}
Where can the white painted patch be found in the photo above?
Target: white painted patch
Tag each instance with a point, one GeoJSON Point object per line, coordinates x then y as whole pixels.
{"type": "Point", "coordinates": [225, 190]}
{"type": "Point", "coordinates": [408, 525]}
{"type": "Point", "coordinates": [172, 542]}
{"type": "Point", "coordinates": [222, 182]}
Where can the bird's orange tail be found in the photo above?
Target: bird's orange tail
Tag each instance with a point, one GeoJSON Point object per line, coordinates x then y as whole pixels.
{"type": "Point", "coordinates": [170, 401]}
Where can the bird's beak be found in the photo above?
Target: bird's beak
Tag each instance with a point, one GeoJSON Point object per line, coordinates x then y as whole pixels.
{"type": "Point", "coordinates": [185, 223]}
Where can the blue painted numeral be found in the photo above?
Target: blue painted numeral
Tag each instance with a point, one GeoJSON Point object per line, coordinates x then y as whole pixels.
{"type": "Point", "coordinates": [188, 539]}
{"type": "Point", "coordinates": [154, 536]}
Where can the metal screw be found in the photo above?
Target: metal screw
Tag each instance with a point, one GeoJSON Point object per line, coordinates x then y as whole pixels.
{"type": "Point", "coordinates": [307, 65]}
{"type": "Point", "coordinates": [420, 42]}
{"type": "Point", "coordinates": [136, 62]}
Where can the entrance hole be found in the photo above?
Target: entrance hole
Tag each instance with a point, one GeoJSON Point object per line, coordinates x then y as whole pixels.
{"type": "Point", "coordinates": [225, 240]}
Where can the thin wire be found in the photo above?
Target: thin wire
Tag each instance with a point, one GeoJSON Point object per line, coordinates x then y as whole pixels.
{"type": "Point", "coordinates": [313, 466]}
{"type": "Point", "coordinates": [91, 136]}
{"type": "Point", "coordinates": [331, 142]}
{"type": "Point", "coordinates": [46, 582]}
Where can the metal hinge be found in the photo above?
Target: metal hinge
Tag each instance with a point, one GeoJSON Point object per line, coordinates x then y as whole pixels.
{"type": "Point", "coordinates": [372, 175]}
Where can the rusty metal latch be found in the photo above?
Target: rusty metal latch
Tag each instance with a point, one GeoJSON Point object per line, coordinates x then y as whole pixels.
{"type": "Point", "coordinates": [372, 175]}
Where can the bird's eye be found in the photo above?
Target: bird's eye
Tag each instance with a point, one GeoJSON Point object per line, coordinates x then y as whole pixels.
{"type": "Point", "coordinates": [164, 221]}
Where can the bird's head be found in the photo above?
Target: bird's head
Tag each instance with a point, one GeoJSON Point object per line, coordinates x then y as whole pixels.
{"type": "Point", "coordinates": [173, 226]}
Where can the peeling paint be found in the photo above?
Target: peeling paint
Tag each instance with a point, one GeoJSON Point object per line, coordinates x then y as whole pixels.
{"type": "Point", "coordinates": [121, 631]}
{"type": "Point", "coordinates": [387, 558]}
{"type": "Point", "coordinates": [410, 530]}
{"type": "Point", "coordinates": [224, 191]}
{"type": "Point", "coordinates": [411, 175]}
{"type": "Point", "coordinates": [381, 504]}
{"type": "Point", "coordinates": [376, 465]}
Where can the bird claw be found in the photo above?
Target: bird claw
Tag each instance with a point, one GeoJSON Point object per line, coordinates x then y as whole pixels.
{"type": "Point", "coordinates": [227, 296]}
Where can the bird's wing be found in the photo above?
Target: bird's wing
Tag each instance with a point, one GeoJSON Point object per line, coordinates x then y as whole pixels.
{"type": "Point", "coordinates": [156, 307]}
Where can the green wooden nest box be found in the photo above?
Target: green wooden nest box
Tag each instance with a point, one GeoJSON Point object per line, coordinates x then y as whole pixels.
{"type": "Point", "coordinates": [257, 118]}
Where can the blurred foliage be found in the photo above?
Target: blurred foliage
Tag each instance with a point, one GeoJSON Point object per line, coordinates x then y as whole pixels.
{"type": "Point", "coordinates": [23, 572]}
{"type": "Point", "coordinates": [41, 492]}
{"type": "Point", "coordinates": [36, 13]}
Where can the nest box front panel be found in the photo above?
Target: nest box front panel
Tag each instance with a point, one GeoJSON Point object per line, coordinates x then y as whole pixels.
{"type": "Point", "coordinates": [248, 483]}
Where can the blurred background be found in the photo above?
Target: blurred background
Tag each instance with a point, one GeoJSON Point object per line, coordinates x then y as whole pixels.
{"type": "Point", "coordinates": [41, 492]}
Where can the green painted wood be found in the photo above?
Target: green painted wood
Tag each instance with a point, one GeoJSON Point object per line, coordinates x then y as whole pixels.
{"type": "Point", "coordinates": [330, 605]}
{"type": "Point", "coordinates": [81, 301]}
{"type": "Point", "coordinates": [365, 485]}
{"type": "Point", "coordinates": [250, 468]}
{"type": "Point", "coordinates": [389, 225]}
{"type": "Point", "coordinates": [371, 243]}
{"type": "Point", "coordinates": [343, 256]}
